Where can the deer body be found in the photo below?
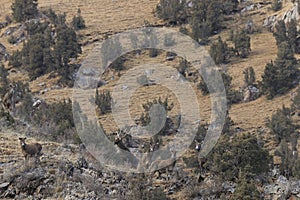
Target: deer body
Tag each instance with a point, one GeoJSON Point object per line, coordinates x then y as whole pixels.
{"type": "Point", "coordinates": [33, 149]}
{"type": "Point", "coordinates": [167, 165]}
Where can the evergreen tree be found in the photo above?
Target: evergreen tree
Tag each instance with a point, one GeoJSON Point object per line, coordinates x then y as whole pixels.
{"type": "Point", "coordinates": [111, 49]}
{"type": "Point", "coordinates": [3, 80]}
{"type": "Point", "coordinates": [214, 16]}
{"type": "Point", "coordinates": [292, 34]}
{"type": "Point", "coordinates": [43, 52]}
{"type": "Point", "coordinates": [24, 9]}
{"type": "Point", "coordinates": [249, 76]}
{"type": "Point", "coordinates": [15, 59]}
{"type": "Point", "coordinates": [242, 44]}
{"type": "Point", "coordinates": [173, 11]}
{"type": "Point", "coordinates": [34, 27]}
{"type": "Point", "coordinates": [229, 6]}
{"type": "Point", "coordinates": [239, 155]}
{"type": "Point", "coordinates": [200, 30]}
{"type": "Point", "coordinates": [219, 51]}
{"type": "Point", "coordinates": [281, 125]}
{"type": "Point", "coordinates": [279, 77]}
{"type": "Point", "coordinates": [280, 32]}
{"type": "Point", "coordinates": [33, 56]}
{"type": "Point", "coordinates": [287, 159]}
{"type": "Point", "coordinates": [206, 19]}
{"type": "Point", "coordinates": [269, 84]}
{"type": "Point", "coordinates": [65, 48]}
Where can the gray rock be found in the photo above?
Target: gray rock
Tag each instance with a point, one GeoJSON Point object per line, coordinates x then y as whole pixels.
{"type": "Point", "coordinates": [4, 185]}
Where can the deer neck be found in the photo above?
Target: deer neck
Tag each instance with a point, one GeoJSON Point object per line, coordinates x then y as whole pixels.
{"type": "Point", "coordinates": [23, 146]}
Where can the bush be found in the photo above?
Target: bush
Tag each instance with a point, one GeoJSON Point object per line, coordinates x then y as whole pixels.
{"type": "Point", "coordinates": [56, 120]}
{"type": "Point", "coordinates": [78, 21]}
{"type": "Point", "coordinates": [172, 11]}
{"type": "Point", "coordinates": [138, 190]}
{"type": "Point", "coordinates": [103, 101]}
{"type": "Point", "coordinates": [12, 40]}
{"type": "Point", "coordinates": [280, 76]}
{"type": "Point", "coordinates": [281, 124]}
{"type": "Point", "coordinates": [157, 118]}
{"type": "Point", "coordinates": [240, 155]}
{"type": "Point", "coordinates": [43, 53]}
{"type": "Point", "coordinates": [3, 80]}
{"type": "Point", "coordinates": [249, 76]}
{"type": "Point", "coordinates": [15, 59]}
{"type": "Point", "coordinates": [234, 96]}
{"type": "Point", "coordinates": [24, 9]}
{"type": "Point", "coordinates": [153, 52]}
{"type": "Point", "coordinates": [110, 50]}
{"type": "Point", "coordinates": [242, 44]}
{"type": "Point", "coordinates": [246, 191]}
{"type": "Point", "coordinates": [191, 162]}
{"type": "Point", "coordinates": [277, 5]}
{"type": "Point", "coordinates": [203, 87]}
{"type": "Point", "coordinates": [220, 52]}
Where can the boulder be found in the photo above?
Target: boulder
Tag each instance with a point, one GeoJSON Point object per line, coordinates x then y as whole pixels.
{"type": "Point", "coordinates": [291, 14]}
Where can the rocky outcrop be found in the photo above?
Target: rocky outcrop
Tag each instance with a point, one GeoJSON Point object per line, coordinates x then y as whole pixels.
{"type": "Point", "coordinates": [282, 188]}
{"type": "Point", "coordinates": [292, 13]}
{"type": "Point", "coordinates": [250, 93]}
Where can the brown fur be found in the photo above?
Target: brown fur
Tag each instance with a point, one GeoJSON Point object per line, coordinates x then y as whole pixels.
{"type": "Point", "coordinates": [33, 149]}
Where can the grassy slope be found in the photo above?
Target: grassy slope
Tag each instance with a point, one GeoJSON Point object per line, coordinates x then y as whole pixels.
{"type": "Point", "coordinates": [105, 17]}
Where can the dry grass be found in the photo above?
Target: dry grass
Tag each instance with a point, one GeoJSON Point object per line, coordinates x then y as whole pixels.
{"type": "Point", "coordinates": [105, 17]}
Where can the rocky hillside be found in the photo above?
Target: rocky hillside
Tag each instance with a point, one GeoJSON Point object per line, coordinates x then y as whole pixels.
{"type": "Point", "coordinates": [66, 170]}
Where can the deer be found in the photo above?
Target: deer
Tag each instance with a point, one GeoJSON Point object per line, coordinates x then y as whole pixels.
{"type": "Point", "coordinates": [119, 141]}
{"type": "Point", "coordinates": [198, 145]}
{"type": "Point", "coordinates": [33, 149]}
{"type": "Point", "coordinates": [168, 164]}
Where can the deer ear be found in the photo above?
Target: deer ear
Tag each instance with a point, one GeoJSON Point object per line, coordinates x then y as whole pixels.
{"type": "Point", "coordinates": [20, 138]}
{"type": "Point", "coordinates": [25, 138]}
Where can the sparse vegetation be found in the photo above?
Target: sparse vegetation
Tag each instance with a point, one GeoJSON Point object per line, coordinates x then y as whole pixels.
{"type": "Point", "coordinates": [239, 166]}
{"type": "Point", "coordinates": [44, 53]}
{"type": "Point", "coordinates": [103, 101]}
